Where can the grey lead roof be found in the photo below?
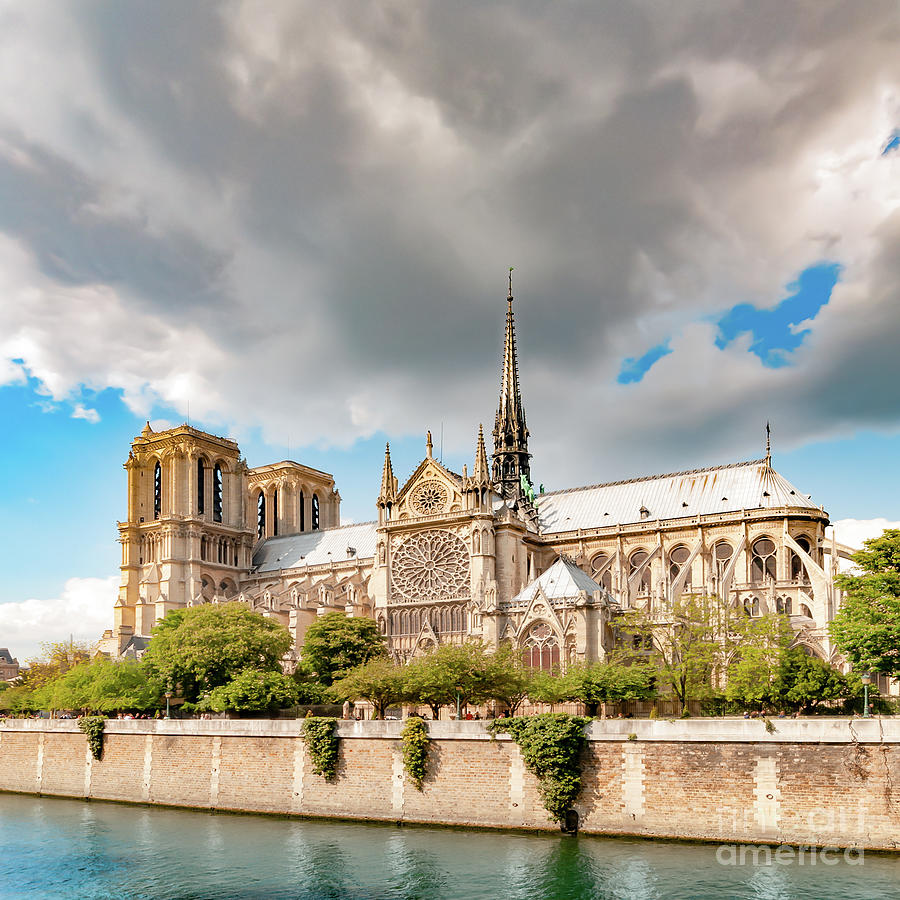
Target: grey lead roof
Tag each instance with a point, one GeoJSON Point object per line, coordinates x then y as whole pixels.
{"type": "Point", "coordinates": [561, 581]}
{"type": "Point", "coordinates": [313, 548]}
{"type": "Point", "coordinates": [721, 489]}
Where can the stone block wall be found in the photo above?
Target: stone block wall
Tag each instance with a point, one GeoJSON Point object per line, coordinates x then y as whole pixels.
{"type": "Point", "coordinates": [830, 782]}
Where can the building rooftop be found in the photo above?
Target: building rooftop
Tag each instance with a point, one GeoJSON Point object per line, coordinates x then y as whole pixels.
{"type": "Point", "coordinates": [699, 492]}
{"type": "Point", "coordinates": [314, 548]}
{"type": "Point", "coordinates": [561, 581]}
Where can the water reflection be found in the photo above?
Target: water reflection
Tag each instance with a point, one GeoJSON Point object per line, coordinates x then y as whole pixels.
{"type": "Point", "coordinates": [61, 848]}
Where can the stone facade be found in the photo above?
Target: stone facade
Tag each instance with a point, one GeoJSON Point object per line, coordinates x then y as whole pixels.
{"type": "Point", "coordinates": [454, 556]}
{"type": "Point", "coordinates": [825, 782]}
{"type": "Point", "coordinates": [9, 666]}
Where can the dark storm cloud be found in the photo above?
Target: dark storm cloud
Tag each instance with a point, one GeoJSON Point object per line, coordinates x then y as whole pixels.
{"type": "Point", "coordinates": [346, 184]}
{"type": "Point", "coordinates": [54, 208]}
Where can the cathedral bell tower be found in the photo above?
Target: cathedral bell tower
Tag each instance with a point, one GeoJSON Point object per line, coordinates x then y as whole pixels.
{"type": "Point", "coordinates": [510, 459]}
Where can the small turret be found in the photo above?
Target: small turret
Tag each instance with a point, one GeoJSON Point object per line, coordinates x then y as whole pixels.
{"type": "Point", "coordinates": [388, 494]}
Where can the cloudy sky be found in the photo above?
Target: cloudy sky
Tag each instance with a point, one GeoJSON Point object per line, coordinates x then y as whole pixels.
{"type": "Point", "coordinates": [291, 222]}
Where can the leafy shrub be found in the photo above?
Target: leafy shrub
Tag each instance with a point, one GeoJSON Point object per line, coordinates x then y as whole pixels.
{"type": "Point", "coordinates": [320, 734]}
{"type": "Point", "coordinates": [93, 727]}
{"type": "Point", "coordinates": [415, 750]}
{"type": "Point", "coordinates": [551, 745]}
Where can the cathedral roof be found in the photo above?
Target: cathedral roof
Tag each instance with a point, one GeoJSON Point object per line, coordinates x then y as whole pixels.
{"type": "Point", "coordinates": [314, 548]}
{"type": "Point", "coordinates": [562, 580]}
{"type": "Point", "coordinates": [700, 492]}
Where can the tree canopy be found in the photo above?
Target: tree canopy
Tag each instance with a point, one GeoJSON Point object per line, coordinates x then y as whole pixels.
{"type": "Point", "coordinates": [866, 629]}
{"type": "Point", "coordinates": [379, 681]}
{"type": "Point", "coordinates": [252, 691]}
{"type": "Point", "coordinates": [334, 644]}
{"type": "Point", "coordinates": [103, 685]}
{"type": "Point", "coordinates": [204, 647]}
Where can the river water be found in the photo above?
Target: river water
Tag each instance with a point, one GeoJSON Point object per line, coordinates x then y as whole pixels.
{"type": "Point", "coordinates": [53, 848]}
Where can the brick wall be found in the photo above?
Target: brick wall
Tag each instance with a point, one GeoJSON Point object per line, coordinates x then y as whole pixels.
{"type": "Point", "coordinates": [818, 781]}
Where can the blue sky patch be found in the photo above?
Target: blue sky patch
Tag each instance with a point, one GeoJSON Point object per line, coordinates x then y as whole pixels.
{"type": "Point", "coordinates": [892, 144]}
{"type": "Point", "coordinates": [774, 330]}
{"type": "Point", "coordinates": [635, 368]}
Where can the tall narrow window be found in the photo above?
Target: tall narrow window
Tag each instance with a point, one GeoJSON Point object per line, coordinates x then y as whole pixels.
{"type": "Point", "coordinates": [798, 569]}
{"type": "Point", "coordinates": [157, 490]}
{"type": "Point", "coordinates": [677, 559]}
{"type": "Point", "coordinates": [602, 571]}
{"type": "Point", "coordinates": [302, 517]}
{"type": "Point", "coordinates": [261, 515]}
{"type": "Point", "coordinates": [275, 511]}
{"type": "Point", "coordinates": [638, 558]}
{"type": "Point", "coordinates": [217, 493]}
{"type": "Point", "coordinates": [762, 561]}
{"type": "Point", "coordinates": [723, 555]}
{"type": "Point", "coordinates": [201, 487]}
{"type": "Point", "coordinates": [315, 512]}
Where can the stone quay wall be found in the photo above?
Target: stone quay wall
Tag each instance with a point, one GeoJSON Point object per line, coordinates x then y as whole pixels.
{"type": "Point", "coordinates": [824, 782]}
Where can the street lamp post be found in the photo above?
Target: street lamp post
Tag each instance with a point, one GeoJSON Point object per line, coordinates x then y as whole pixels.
{"type": "Point", "coordinates": [168, 698]}
{"type": "Point", "coordinates": [866, 680]}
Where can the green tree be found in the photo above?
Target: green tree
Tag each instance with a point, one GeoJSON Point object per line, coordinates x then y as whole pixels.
{"type": "Point", "coordinates": [688, 641]}
{"type": "Point", "coordinates": [309, 689]}
{"type": "Point", "coordinates": [866, 629]}
{"type": "Point", "coordinates": [549, 687]}
{"type": "Point", "coordinates": [102, 686]}
{"type": "Point", "coordinates": [610, 682]}
{"type": "Point", "coordinates": [449, 672]}
{"type": "Point", "coordinates": [204, 647]}
{"type": "Point", "coordinates": [753, 670]}
{"type": "Point", "coordinates": [334, 644]}
{"type": "Point", "coordinates": [379, 681]}
{"type": "Point", "coordinates": [252, 691]}
{"type": "Point", "coordinates": [803, 682]}
{"type": "Point", "coordinates": [507, 679]}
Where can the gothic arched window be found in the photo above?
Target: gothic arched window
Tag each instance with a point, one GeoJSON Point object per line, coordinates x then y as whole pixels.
{"type": "Point", "coordinates": [260, 515]}
{"type": "Point", "coordinates": [302, 517]}
{"type": "Point", "coordinates": [201, 487]}
{"type": "Point", "coordinates": [157, 490]}
{"type": "Point", "coordinates": [597, 567]}
{"type": "Point", "coordinates": [762, 561]}
{"type": "Point", "coordinates": [798, 570]}
{"type": "Point", "coordinates": [541, 648]}
{"type": "Point", "coordinates": [722, 557]}
{"type": "Point", "coordinates": [217, 493]}
{"type": "Point", "coordinates": [275, 511]}
{"type": "Point", "coordinates": [315, 512]}
{"type": "Point", "coordinates": [752, 606]}
{"type": "Point", "coordinates": [677, 558]}
{"type": "Point", "coordinates": [638, 558]}
{"type": "Point", "coordinates": [783, 605]}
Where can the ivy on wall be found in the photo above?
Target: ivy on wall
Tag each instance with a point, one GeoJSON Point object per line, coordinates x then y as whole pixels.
{"type": "Point", "coordinates": [93, 727]}
{"type": "Point", "coordinates": [551, 745]}
{"type": "Point", "coordinates": [320, 734]}
{"type": "Point", "coordinates": [415, 742]}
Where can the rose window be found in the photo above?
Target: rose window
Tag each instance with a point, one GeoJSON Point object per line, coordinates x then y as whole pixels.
{"type": "Point", "coordinates": [433, 565]}
{"type": "Point", "coordinates": [429, 497]}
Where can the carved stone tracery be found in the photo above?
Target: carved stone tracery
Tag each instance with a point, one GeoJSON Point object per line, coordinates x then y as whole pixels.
{"type": "Point", "coordinates": [432, 565]}
{"type": "Point", "coordinates": [429, 498]}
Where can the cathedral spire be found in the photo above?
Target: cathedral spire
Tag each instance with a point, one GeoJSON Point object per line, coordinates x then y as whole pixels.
{"type": "Point", "coordinates": [510, 457]}
{"type": "Point", "coordinates": [388, 482]}
{"type": "Point", "coordinates": [481, 473]}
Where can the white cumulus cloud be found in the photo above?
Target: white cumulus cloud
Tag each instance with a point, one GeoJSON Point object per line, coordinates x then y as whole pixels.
{"type": "Point", "coordinates": [852, 532]}
{"type": "Point", "coordinates": [83, 610]}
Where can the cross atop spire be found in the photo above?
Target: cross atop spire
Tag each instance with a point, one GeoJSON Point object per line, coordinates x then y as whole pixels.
{"type": "Point", "coordinates": [768, 446]}
{"type": "Point", "coordinates": [510, 431]}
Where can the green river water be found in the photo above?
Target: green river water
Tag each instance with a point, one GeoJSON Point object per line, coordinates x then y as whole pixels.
{"type": "Point", "coordinates": [53, 848]}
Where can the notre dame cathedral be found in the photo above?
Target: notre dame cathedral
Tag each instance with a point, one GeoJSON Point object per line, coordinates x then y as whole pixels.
{"type": "Point", "coordinates": [460, 555]}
